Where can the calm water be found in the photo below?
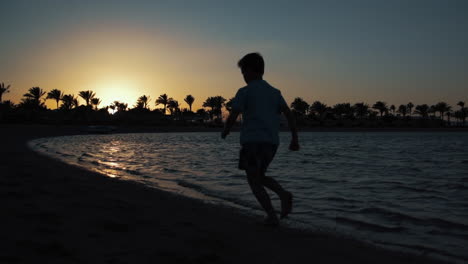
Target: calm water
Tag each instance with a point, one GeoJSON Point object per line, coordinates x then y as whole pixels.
{"type": "Point", "coordinates": [401, 190]}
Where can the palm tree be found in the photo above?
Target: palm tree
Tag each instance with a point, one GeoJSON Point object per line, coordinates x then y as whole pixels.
{"type": "Point", "coordinates": [449, 115]}
{"type": "Point", "coordinates": [299, 106]}
{"type": "Point", "coordinates": [442, 107]}
{"type": "Point", "coordinates": [381, 107]}
{"type": "Point", "coordinates": [462, 113]}
{"type": "Point", "coordinates": [164, 100]}
{"type": "Point", "coordinates": [342, 109]}
{"type": "Point", "coordinates": [56, 95]}
{"type": "Point", "coordinates": [33, 97]}
{"type": "Point", "coordinates": [460, 103]}
{"type": "Point", "coordinates": [361, 109]}
{"type": "Point", "coordinates": [173, 106]}
{"type": "Point", "coordinates": [121, 107]}
{"type": "Point", "coordinates": [410, 106]}
{"type": "Point", "coordinates": [318, 107]}
{"type": "Point", "coordinates": [4, 89]}
{"type": "Point", "coordinates": [228, 104]}
{"type": "Point", "coordinates": [143, 102]}
{"type": "Point", "coordinates": [422, 110]}
{"type": "Point", "coordinates": [216, 104]}
{"type": "Point", "coordinates": [432, 110]}
{"type": "Point", "coordinates": [393, 109]}
{"type": "Point", "coordinates": [403, 110]}
{"type": "Point", "coordinates": [68, 101]}
{"type": "Point", "coordinates": [95, 102]}
{"type": "Point", "coordinates": [87, 96]}
{"type": "Point", "coordinates": [189, 99]}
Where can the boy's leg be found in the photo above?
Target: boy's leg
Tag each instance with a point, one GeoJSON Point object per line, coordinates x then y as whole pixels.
{"type": "Point", "coordinates": [254, 178]}
{"type": "Point", "coordinates": [285, 196]}
{"type": "Point", "coordinates": [273, 185]}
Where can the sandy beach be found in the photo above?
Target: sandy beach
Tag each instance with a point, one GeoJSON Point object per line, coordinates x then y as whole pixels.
{"type": "Point", "coordinates": [56, 213]}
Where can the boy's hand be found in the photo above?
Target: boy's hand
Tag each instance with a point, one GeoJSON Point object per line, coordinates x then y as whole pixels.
{"type": "Point", "coordinates": [224, 134]}
{"type": "Point", "coordinates": [294, 146]}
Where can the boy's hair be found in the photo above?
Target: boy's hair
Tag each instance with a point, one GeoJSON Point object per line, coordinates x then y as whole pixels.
{"type": "Point", "coordinates": [252, 61]}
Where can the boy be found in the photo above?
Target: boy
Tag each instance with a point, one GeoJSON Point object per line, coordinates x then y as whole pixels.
{"type": "Point", "coordinates": [261, 106]}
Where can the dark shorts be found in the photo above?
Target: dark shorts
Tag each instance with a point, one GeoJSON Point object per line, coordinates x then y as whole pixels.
{"type": "Point", "coordinates": [256, 156]}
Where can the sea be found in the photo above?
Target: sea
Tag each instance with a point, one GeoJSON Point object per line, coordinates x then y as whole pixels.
{"type": "Point", "coordinates": [406, 191]}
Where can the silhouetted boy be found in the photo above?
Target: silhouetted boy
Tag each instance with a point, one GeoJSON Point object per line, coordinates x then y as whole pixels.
{"type": "Point", "coordinates": [261, 106]}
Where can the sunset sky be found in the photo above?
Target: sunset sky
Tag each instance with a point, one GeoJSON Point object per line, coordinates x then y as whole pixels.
{"type": "Point", "coordinates": [332, 51]}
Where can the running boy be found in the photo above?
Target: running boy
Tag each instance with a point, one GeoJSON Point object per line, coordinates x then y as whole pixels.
{"type": "Point", "coordinates": [261, 106]}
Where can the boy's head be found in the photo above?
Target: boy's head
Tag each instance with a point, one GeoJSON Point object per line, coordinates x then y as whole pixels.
{"type": "Point", "coordinates": [252, 66]}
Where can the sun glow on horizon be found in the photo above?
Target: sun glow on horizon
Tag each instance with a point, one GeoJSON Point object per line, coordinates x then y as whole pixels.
{"type": "Point", "coordinates": [124, 91]}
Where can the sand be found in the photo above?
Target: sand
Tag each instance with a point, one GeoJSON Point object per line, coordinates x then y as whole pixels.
{"type": "Point", "coordinates": [52, 212]}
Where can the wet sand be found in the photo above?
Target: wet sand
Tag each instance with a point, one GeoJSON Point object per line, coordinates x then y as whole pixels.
{"type": "Point", "coordinates": [56, 213]}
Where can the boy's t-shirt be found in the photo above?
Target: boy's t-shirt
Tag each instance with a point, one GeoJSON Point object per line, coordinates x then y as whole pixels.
{"type": "Point", "coordinates": [260, 105]}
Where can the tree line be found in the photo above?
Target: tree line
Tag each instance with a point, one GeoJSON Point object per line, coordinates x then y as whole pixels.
{"type": "Point", "coordinates": [441, 111]}
{"type": "Point", "coordinates": [317, 113]}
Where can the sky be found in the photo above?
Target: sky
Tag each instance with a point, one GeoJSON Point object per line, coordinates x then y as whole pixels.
{"type": "Point", "coordinates": [333, 51]}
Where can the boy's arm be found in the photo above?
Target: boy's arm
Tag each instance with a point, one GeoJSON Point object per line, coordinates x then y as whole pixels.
{"type": "Point", "coordinates": [294, 146]}
{"type": "Point", "coordinates": [231, 120]}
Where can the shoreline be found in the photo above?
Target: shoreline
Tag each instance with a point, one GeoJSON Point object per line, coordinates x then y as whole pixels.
{"type": "Point", "coordinates": [61, 213]}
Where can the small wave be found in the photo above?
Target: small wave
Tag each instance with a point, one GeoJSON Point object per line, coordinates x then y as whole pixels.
{"type": "Point", "coordinates": [369, 226]}
{"type": "Point", "coordinates": [215, 194]}
{"type": "Point", "coordinates": [447, 224]}
{"type": "Point", "coordinates": [170, 170]}
{"type": "Point", "coordinates": [63, 154]}
{"type": "Point", "coordinates": [133, 172]}
{"type": "Point", "coordinates": [339, 199]}
{"type": "Point", "coordinates": [389, 213]}
{"type": "Point", "coordinates": [415, 189]}
{"type": "Point", "coordinates": [425, 249]}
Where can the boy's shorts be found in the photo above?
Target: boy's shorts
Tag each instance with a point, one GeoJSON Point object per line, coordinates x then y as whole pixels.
{"type": "Point", "coordinates": [256, 156]}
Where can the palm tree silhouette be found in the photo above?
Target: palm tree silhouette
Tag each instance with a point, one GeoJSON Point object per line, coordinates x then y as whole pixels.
{"type": "Point", "coordinates": [393, 109]}
{"type": "Point", "coordinates": [121, 107]}
{"type": "Point", "coordinates": [143, 102]}
{"type": "Point", "coordinates": [95, 102]}
{"type": "Point", "coordinates": [56, 95]}
{"type": "Point", "coordinates": [34, 96]}
{"type": "Point", "coordinates": [319, 108]}
{"type": "Point", "coordinates": [68, 102]}
{"type": "Point", "coordinates": [228, 104]}
{"type": "Point", "coordinates": [448, 114]}
{"type": "Point", "coordinates": [442, 107]}
{"type": "Point", "coordinates": [189, 99]}
{"type": "Point", "coordinates": [4, 89]}
{"type": "Point", "coordinates": [216, 104]}
{"type": "Point", "coordinates": [342, 109]}
{"type": "Point", "coordinates": [410, 106]}
{"type": "Point", "coordinates": [87, 96]}
{"type": "Point", "coordinates": [173, 106]}
{"type": "Point", "coordinates": [300, 106]}
{"type": "Point", "coordinates": [422, 110]}
{"type": "Point", "coordinates": [361, 109]}
{"type": "Point", "coordinates": [460, 103]}
{"type": "Point", "coordinates": [162, 99]}
{"type": "Point", "coordinates": [381, 107]}
{"type": "Point", "coordinates": [463, 112]}
{"type": "Point", "coordinates": [432, 110]}
{"type": "Point", "coordinates": [403, 110]}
